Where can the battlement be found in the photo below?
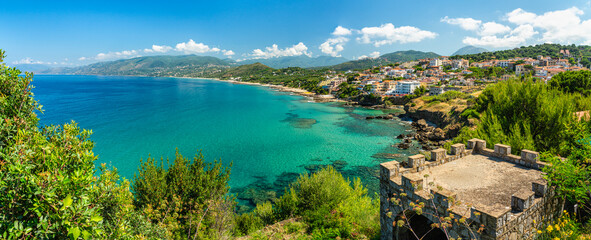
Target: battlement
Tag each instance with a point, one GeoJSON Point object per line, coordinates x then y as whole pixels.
{"type": "Point", "coordinates": [491, 187]}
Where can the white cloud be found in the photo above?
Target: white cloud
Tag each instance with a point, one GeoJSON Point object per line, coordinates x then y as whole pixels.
{"type": "Point", "coordinates": [37, 62]}
{"type": "Point", "coordinates": [341, 31]}
{"type": "Point", "coordinates": [117, 55]}
{"type": "Point", "coordinates": [228, 53]}
{"type": "Point", "coordinates": [274, 51]}
{"type": "Point", "coordinates": [515, 38]}
{"type": "Point", "coordinates": [562, 26]}
{"type": "Point", "coordinates": [333, 46]}
{"type": "Point", "coordinates": [158, 49]}
{"type": "Point", "coordinates": [29, 61]}
{"type": "Point", "coordinates": [493, 28]}
{"type": "Point", "coordinates": [469, 24]}
{"type": "Point", "coordinates": [375, 54]}
{"type": "Point", "coordinates": [389, 34]}
{"type": "Point", "coordinates": [192, 47]}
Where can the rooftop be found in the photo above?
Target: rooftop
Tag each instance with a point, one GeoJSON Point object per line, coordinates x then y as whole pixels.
{"type": "Point", "coordinates": [484, 182]}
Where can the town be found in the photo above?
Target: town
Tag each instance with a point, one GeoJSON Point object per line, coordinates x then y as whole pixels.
{"type": "Point", "coordinates": [444, 74]}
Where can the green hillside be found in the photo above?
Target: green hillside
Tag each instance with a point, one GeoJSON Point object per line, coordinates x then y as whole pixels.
{"type": "Point", "coordinates": [177, 66]}
{"type": "Point", "coordinates": [400, 56]}
{"type": "Point", "coordinates": [297, 61]}
{"type": "Point", "coordinates": [255, 69]}
{"type": "Point", "coordinates": [552, 50]}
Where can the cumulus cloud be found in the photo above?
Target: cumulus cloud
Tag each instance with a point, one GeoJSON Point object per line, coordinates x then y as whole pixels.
{"type": "Point", "coordinates": [228, 53]}
{"type": "Point", "coordinates": [189, 47]}
{"type": "Point", "coordinates": [158, 49]}
{"type": "Point", "coordinates": [117, 55]}
{"type": "Point", "coordinates": [389, 34]}
{"type": "Point", "coordinates": [563, 26]}
{"type": "Point", "coordinates": [515, 38]}
{"type": "Point", "coordinates": [375, 54]}
{"type": "Point", "coordinates": [274, 51]}
{"type": "Point", "coordinates": [31, 61]}
{"type": "Point", "coordinates": [560, 26]}
{"type": "Point", "coordinates": [193, 47]}
{"type": "Point", "coordinates": [493, 28]}
{"type": "Point", "coordinates": [341, 31]}
{"type": "Point", "coordinates": [333, 46]}
{"type": "Point", "coordinates": [469, 24]}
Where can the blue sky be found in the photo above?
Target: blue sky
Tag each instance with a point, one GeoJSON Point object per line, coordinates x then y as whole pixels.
{"type": "Point", "coordinates": [62, 33]}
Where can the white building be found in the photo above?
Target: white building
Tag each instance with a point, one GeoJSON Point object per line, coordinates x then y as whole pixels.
{"type": "Point", "coordinates": [436, 91]}
{"type": "Point", "coordinates": [435, 62]}
{"type": "Point", "coordinates": [406, 87]}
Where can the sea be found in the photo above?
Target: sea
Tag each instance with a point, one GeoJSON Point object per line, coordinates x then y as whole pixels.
{"type": "Point", "coordinates": [270, 137]}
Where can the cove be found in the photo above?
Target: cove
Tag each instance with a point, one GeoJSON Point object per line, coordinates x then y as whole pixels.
{"type": "Point", "coordinates": [270, 137]}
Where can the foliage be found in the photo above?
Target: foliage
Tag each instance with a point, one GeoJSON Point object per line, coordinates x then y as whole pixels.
{"type": "Point", "coordinates": [189, 197]}
{"type": "Point", "coordinates": [573, 82]}
{"type": "Point", "coordinates": [551, 50]}
{"type": "Point", "coordinates": [528, 115]}
{"type": "Point", "coordinates": [490, 72]}
{"type": "Point", "coordinates": [446, 96]}
{"type": "Point", "coordinates": [566, 227]}
{"type": "Point", "coordinates": [330, 205]}
{"type": "Point", "coordinates": [347, 90]}
{"type": "Point", "coordinates": [50, 190]}
{"type": "Point", "coordinates": [45, 175]}
{"type": "Point", "coordinates": [420, 91]}
{"type": "Point", "coordinates": [569, 177]}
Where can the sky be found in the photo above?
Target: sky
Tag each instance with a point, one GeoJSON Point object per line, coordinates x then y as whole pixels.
{"type": "Point", "coordinates": [72, 33]}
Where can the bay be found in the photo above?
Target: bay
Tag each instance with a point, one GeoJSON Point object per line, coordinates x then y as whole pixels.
{"type": "Point", "coordinates": [270, 137]}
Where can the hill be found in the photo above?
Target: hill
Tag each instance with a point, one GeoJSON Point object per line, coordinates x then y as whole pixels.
{"type": "Point", "coordinates": [469, 50]}
{"type": "Point", "coordinates": [27, 67]}
{"type": "Point", "coordinates": [255, 69]}
{"type": "Point", "coordinates": [552, 50]}
{"type": "Point", "coordinates": [185, 66]}
{"type": "Point", "coordinates": [400, 56]}
{"type": "Point", "coordinates": [297, 61]}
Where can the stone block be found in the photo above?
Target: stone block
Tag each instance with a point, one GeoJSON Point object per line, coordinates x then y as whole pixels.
{"type": "Point", "coordinates": [416, 160]}
{"type": "Point", "coordinates": [476, 144]}
{"type": "Point", "coordinates": [522, 200]}
{"type": "Point", "coordinates": [529, 156]}
{"type": "Point", "coordinates": [412, 182]}
{"type": "Point", "coordinates": [438, 154]}
{"type": "Point", "coordinates": [502, 150]}
{"type": "Point", "coordinates": [443, 198]}
{"type": "Point", "coordinates": [389, 170]}
{"type": "Point", "coordinates": [457, 148]}
{"type": "Point", "coordinates": [539, 188]}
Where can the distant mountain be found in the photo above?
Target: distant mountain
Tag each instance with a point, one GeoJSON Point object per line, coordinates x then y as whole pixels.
{"type": "Point", "coordinates": [302, 61]}
{"type": "Point", "coordinates": [186, 66]}
{"type": "Point", "coordinates": [400, 56]}
{"type": "Point", "coordinates": [469, 50]}
{"type": "Point", "coordinates": [31, 67]}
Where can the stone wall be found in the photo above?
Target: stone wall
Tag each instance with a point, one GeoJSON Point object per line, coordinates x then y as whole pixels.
{"type": "Point", "coordinates": [400, 190]}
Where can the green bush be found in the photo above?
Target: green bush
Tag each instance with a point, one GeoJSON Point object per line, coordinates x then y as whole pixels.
{"type": "Point", "coordinates": [331, 204]}
{"type": "Point", "coordinates": [527, 115]}
{"type": "Point", "coordinates": [189, 197]}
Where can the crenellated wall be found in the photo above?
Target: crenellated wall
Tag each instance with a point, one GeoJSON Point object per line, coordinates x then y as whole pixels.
{"type": "Point", "coordinates": [403, 185]}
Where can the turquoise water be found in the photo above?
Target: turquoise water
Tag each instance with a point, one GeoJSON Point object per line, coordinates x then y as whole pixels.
{"type": "Point", "coordinates": [270, 136]}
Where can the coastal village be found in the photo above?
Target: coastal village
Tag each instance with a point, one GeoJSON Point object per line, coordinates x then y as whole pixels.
{"type": "Point", "coordinates": [444, 73]}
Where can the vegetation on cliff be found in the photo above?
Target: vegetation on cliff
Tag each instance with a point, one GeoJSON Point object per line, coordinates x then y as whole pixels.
{"type": "Point", "coordinates": [546, 50]}
{"type": "Point", "coordinates": [52, 190]}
